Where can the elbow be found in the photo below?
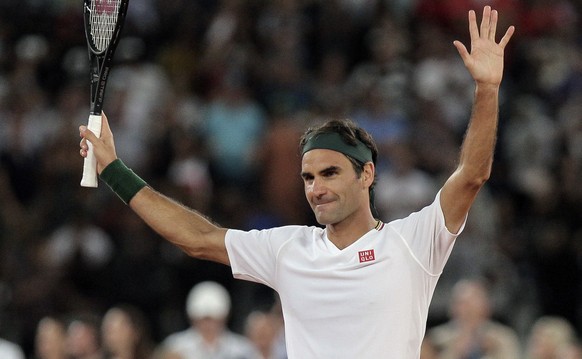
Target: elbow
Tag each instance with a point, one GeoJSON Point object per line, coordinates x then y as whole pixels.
{"type": "Point", "coordinates": [191, 251]}
{"type": "Point", "coordinates": [476, 182]}
{"type": "Point", "coordinates": [481, 179]}
{"type": "Point", "coordinates": [475, 179]}
{"type": "Point", "coordinates": [187, 242]}
{"type": "Point", "coordinates": [208, 245]}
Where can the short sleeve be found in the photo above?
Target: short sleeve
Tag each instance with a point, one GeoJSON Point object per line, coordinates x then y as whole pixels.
{"type": "Point", "coordinates": [253, 254]}
{"type": "Point", "coordinates": [427, 237]}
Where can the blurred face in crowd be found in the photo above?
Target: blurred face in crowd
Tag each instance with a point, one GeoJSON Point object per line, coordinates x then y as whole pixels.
{"type": "Point", "coordinates": [118, 331]}
{"type": "Point", "coordinates": [470, 303]}
{"type": "Point", "coordinates": [50, 339]}
{"type": "Point", "coordinates": [82, 339]}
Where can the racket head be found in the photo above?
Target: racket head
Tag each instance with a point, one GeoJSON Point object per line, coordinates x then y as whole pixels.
{"type": "Point", "coordinates": [103, 22]}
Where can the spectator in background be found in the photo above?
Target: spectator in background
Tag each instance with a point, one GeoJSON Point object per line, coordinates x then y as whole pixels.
{"type": "Point", "coordinates": [551, 338]}
{"type": "Point", "coordinates": [234, 124]}
{"type": "Point", "coordinates": [402, 186]}
{"type": "Point", "coordinates": [438, 79]}
{"type": "Point", "coordinates": [208, 307]}
{"type": "Point", "coordinates": [573, 351]}
{"type": "Point", "coordinates": [9, 350]}
{"type": "Point", "coordinates": [50, 339]}
{"type": "Point", "coordinates": [126, 335]}
{"type": "Point", "coordinates": [282, 194]}
{"type": "Point", "coordinates": [265, 329]}
{"type": "Point", "coordinates": [428, 350]}
{"type": "Point", "coordinates": [471, 331]}
{"type": "Point", "coordinates": [260, 329]}
{"type": "Point", "coordinates": [380, 87]}
{"type": "Point", "coordinates": [531, 127]}
{"type": "Point", "coordinates": [83, 339]}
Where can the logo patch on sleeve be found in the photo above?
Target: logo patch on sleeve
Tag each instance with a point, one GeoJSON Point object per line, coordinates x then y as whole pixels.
{"type": "Point", "coordinates": [367, 255]}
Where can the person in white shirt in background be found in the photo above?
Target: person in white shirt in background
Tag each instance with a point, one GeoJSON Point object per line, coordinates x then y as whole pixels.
{"type": "Point", "coordinates": [9, 350]}
{"type": "Point", "coordinates": [208, 306]}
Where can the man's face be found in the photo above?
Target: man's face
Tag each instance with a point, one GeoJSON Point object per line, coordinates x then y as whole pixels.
{"type": "Point", "coordinates": [332, 186]}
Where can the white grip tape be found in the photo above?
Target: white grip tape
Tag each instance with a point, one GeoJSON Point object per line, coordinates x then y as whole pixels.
{"type": "Point", "coordinates": [90, 164]}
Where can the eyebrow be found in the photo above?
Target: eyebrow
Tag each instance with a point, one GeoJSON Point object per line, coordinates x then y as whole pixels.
{"type": "Point", "coordinates": [323, 171]}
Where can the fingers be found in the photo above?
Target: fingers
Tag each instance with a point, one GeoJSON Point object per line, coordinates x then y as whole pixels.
{"type": "Point", "coordinates": [486, 22]}
{"type": "Point", "coordinates": [508, 34]}
{"type": "Point", "coordinates": [473, 29]}
{"type": "Point", "coordinates": [488, 28]}
{"type": "Point", "coordinates": [84, 147]}
{"type": "Point", "coordinates": [493, 24]}
{"type": "Point", "coordinates": [87, 134]}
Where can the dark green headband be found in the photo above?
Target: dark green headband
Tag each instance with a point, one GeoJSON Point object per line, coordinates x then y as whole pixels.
{"type": "Point", "coordinates": [334, 141]}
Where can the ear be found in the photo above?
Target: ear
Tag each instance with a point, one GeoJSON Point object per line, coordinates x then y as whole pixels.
{"type": "Point", "coordinates": [368, 174]}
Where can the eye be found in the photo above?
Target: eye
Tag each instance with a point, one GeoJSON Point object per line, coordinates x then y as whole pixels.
{"type": "Point", "coordinates": [329, 172]}
{"type": "Point", "coordinates": [307, 177]}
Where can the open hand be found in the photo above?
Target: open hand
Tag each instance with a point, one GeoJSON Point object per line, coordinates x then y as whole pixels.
{"type": "Point", "coordinates": [485, 61]}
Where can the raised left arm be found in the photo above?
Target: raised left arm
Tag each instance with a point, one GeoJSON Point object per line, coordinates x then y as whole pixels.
{"type": "Point", "coordinates": [485, 64]}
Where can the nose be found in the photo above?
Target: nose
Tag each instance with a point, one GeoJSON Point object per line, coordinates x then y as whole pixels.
{"type": "Point", "coordinates": [317, 187]}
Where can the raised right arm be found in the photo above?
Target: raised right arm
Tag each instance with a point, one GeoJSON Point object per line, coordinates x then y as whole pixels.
{"type": "Point", "coordinates": [184, 227]}
{"type": "Point", "coordinates": [189, 230]}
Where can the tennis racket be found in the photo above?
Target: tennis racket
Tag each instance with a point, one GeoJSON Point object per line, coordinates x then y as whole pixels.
{"type": "Point", "coordinates": [103, 22]}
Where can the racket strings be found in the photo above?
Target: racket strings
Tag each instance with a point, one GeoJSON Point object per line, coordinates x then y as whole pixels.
{"type": "Point", "coordinates": [102, 21]}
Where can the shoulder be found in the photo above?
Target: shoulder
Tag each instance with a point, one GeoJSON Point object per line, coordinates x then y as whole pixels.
{"type": "Point", "coordinates": [179, 338]}
{"type": "Point", "coordinates": [239, 345]}
{"type": "Point", "coordinates": [432, 212]}
{"type": "Point", "coordinates": [276, 233]}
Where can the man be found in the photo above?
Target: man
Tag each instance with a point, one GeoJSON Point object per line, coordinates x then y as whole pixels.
{"type": "Point", "coordinates": [83, 337]}
{"type": "Point", "coordinates": [356, 288]}
{"type": "Point", "coordinates": [208, 307]}
{"type": "Point", "coordinates": [471, 331]}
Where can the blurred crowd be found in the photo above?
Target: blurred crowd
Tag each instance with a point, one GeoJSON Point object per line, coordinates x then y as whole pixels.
{"type": "Point", "coordinates": [207, 101]}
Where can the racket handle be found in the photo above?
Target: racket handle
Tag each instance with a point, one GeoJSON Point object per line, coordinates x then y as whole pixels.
{"type": "Point", "coordinates": [90, 164]}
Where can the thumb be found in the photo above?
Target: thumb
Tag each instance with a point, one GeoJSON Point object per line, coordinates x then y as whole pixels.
{"type": "Point", "coordinates": [87, 134]}
{"type": "Point", "coordinates": [106, 134]}
{"type": "Point", "coordinates": [463, 52]}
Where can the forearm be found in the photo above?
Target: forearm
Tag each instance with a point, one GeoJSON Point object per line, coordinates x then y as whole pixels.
{"type": "Point", "coordinates": [479, 143]}
{"type": "Point", "coordinates": [476, 159]}
{"type": "Point", "coordinates": [183, 227]}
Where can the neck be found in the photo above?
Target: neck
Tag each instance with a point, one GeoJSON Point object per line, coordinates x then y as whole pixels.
{"type": "Point", "coordinates": [346, 232]}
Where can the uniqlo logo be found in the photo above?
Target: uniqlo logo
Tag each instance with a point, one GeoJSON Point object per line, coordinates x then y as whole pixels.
{"type": "Point", "coordinates": [366, 256]}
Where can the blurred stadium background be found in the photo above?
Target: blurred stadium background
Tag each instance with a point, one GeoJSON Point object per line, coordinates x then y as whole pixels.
{"type": "Point", "coordinates": [207, 101]}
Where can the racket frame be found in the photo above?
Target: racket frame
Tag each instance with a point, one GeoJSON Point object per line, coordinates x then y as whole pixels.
{"type": "Point", "coordinates": [100, 62]}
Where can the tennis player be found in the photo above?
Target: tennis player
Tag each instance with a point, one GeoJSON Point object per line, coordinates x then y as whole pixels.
{"type": "Point", "coordinates": [358, 288]}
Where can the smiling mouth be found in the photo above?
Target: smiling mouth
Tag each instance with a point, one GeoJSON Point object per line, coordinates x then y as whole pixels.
{"type": "Point", "coordinates": [321, 204]}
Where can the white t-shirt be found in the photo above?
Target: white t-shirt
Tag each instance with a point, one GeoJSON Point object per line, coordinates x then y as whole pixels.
{"type": "Point", "coordinates": [10, 350]}
{"type": "Point", "coordinates": [190, 345]}
{"type": "Point", "coordinates": [367, 301]}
